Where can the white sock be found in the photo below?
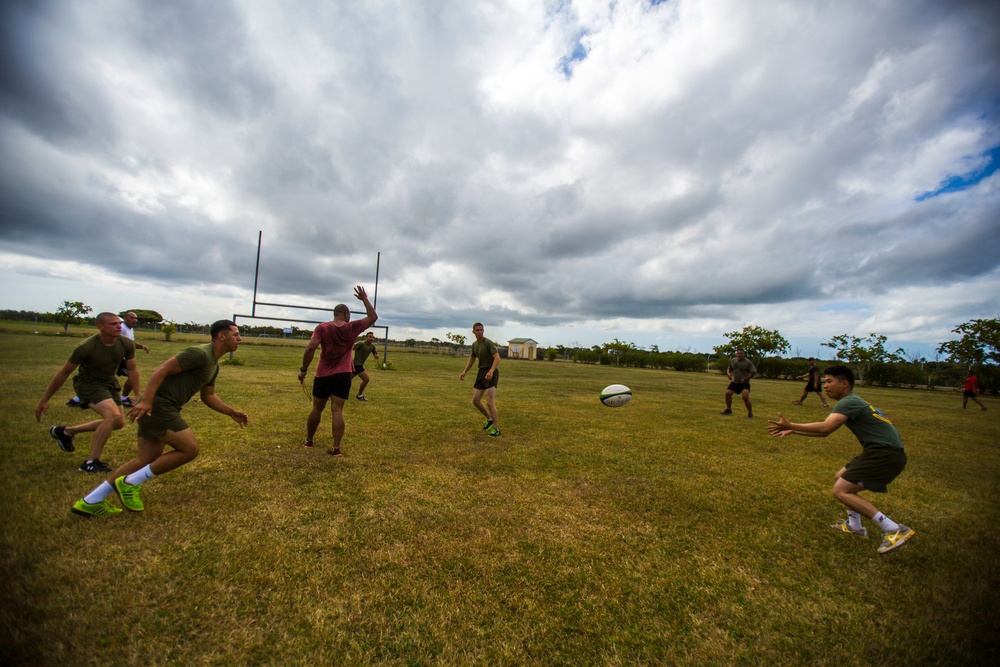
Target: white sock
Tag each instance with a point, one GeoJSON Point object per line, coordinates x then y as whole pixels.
{"type": "Point", "coordinates": [140, 476]}
{"type": "Point", "coordinates": [853, 520]}
{"type": "Point", "coordinates": [887, 524]}
{"type": "Point", "coordinates": [99, 494]}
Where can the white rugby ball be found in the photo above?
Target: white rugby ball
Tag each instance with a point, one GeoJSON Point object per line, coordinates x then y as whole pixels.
{"type": "Point", "coordinates": [616, 395]}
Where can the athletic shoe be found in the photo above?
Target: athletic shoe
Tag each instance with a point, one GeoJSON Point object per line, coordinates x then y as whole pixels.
{"type": "Point", "coordinates": [65, 441]}
{"type": "Point", "coordinates": [844, 528]}
{"type": "Point", "coordinates": [308, 444]}
{"type": "Point", "coordinates": [127, 402]}
{"type": "Point", "coordinates": [102, 508]}
{"type": "Point", "coordinates": [361, 397]}
{"type": "Point", "coordinates": [826, 406]}
{"type": "Point", "coordinates": [129, 494]}
{"type": "Point", "coordinates": [73, 402]}
{"type": "Point", "coordinates": [95, 466]}
{"type": "Point", "coordinates": [891, 541]}
{"type": "Point", "coordinates": [726, 412]}
{"type": "Point", "coordinates": [334, 452]}
{"type": "Point", "coordinates": [750, 416]}
{"type": "Point", "coordinates": [487, 424]}
{"type": "Point", "coordinates": [493, 432]}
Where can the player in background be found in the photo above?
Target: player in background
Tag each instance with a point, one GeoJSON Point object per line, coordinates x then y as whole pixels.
{"type": "Point", "coordinates": [336, 368]}
{"type": "Point", "coordinates": [362, 349]}
{"type": "Point", "coordinates": [129, 320]}
{"type": "Point", "coordinates": [881, 460]}
{"type": "Point", "coordinates": [487, 378]}
{"type": "Point", "coordinates": [160, 423]}
{"type": "Point", "coordinates": [814, 383]}
{"type": "Point", "coordinates": [740, 372]}
{"type": "Point", "coordinates": [98, 358]}
{"type": "Point", "coordinates": [970, 390]}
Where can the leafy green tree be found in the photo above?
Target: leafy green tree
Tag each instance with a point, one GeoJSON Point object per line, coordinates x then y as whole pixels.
{"type": "Point", "coordinates": [145, 315]}
{"type": "Point", "coordinates": [71, 312]}
{"type": "Point", "coordinates": [757, 342]}
{"type": "Point", "coordinates": [979, 344]}
{"type": "Point", "coordinates": [616, 349]}
{"type": "Point", "coordinates": [864, 353]}
{"type": "Point", "coordinates": [168, 329]}
{"type": "Point", "coordinates": [457, 340]}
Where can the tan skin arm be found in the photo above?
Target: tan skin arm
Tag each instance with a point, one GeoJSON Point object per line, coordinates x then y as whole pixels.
{"type": "Point", "coordinates": [307, 358]}
{"type": "Point", "coordinates": [145, 405]}
{"type": "Point", "coordinates": [132, 369]}
{"type": "Point", "coordinates": [212, 400]}
{"type": "Point", "coordinates": [781, 427]}
{"type": "Point", "coordinates": [58, 381]}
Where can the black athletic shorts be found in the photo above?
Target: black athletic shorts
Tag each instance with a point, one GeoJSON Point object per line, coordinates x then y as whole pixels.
{"type": "Point", "coordinates": [359, 369]}
{"type": "Point", "coordinates": [338, 384]}
{"type": "Point", "coordinates": [969, 394]}
{"type": "Point", "coordinates": [875, 467]}
{"type": "Point", "coordinates": [739, 387]}
{"type": "Point", "coordinates": [810, 387]}
{"type": "Point", "coordinates": [483, 383]}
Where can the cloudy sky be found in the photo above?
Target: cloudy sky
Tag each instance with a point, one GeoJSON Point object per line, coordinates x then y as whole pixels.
{"type": "Point", "coordinates": [567, 170]}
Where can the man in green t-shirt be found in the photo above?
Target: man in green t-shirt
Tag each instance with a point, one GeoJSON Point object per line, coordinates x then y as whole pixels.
{"type": "Point", "coordinates": [98, 359]}
{"type": "Point", "coordinates": [362, 349]}
{"type": "Point", "coordinates": [881, 460]}
{"type": "Point", "coordinates": [487, 378]}
{"type": "Point", "coordinates": [172, 385]}
{"type": "Point", "coordinates": [741, 370]}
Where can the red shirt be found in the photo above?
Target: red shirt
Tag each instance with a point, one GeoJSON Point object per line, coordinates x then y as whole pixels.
{"type": "Point", "coordinates": [972, 384]}
{"type": "Point", "coordinates": [336, 340]}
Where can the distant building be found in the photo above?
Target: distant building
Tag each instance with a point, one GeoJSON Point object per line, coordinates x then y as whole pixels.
{"type": "Point", "coordinates": [522, 348]}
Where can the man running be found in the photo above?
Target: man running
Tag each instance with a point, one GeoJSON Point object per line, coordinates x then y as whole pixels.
{"type": "Point", "coordinates": [487, 378]}
{"type": "Point", "coordinates": [881, 460]}
{"type": "Point", "coordinates": [160, 423]}
{"type": "Point", "coordinates": [98, 358]}
{"type": "Point", "coordinates": [813, 383]}
{"type": "Point", "coordinates": [362, 349]}
{"type": "Point", "coordinates": [336, 369]}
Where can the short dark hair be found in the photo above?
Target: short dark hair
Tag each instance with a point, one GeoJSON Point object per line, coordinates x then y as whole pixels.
{"type": "Point", "coordinates": [341, 308]}
{"type": "Point", "coordinates": [841, 373]}
{"type": "Point", "coordinates": [478, 324]}
{"type": "Point", "coordinates": [101, 317]}
{"type": "Point", "coordinates": [220, 326]}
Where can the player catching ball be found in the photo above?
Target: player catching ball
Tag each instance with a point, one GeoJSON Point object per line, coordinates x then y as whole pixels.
{"type": "Point", "coordinates": [881, 460]}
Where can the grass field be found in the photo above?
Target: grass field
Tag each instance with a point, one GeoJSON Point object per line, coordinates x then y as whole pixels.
{"type": "Point", "coordinates": [656, 533]}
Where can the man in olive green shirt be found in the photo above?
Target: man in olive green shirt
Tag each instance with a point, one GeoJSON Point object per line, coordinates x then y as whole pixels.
{"type": "Point", "coordinates": [487, 378]}
{"type": "Point", "coordinates": [171, 386]}
{"type": "Point", "coordinates": [881, 460]}
{"type": "Point", "coordinates": [98, 359]}
{"type": "Point", "coordinates": [362, 349]}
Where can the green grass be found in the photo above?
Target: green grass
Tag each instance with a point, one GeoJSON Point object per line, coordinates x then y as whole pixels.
{"type": "Point", "coordinates": [656, 533]}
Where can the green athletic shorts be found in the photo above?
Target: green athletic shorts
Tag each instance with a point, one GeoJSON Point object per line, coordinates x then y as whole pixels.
{"type": "Point", "coordinates": [94, 392]}
{"type": "Point", "coordinates": [875, 467]}
{"type": "Point", "coordinates": [159, 422]}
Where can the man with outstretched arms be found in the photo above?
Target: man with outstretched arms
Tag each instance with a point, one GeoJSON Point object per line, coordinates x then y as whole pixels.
{"type": "Point", "coordinates": [881, 460]}
{"type": "Point", "coordinates": [487, 378]}
{"type": "Point", "coordinates": [98, 359]}
{"type": "Point", "coordinates": [336, 367]}
{"type": "Point", "coordinates": [160, 424]}
{"type": "Point", "coordinates": [362, 349]}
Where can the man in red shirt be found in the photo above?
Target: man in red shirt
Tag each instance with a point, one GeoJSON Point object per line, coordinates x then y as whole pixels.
{"type": "Point", "coordinates": [336, 366]}
{"type": "Point", "coordinates": [970, 390]}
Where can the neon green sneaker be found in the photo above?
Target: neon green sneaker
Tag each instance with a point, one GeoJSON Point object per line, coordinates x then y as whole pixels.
{"type": "Point", "coordinates": [845, 529]}
{"type": "Point", "coordinates": [102, 508]}
{"type": "Point", "coordinates": [129, 495]}
{"type": "Point", "coordinates": [493, 432]}
{"type": "Point", "coordinates": [487, 424]}
{"type": "Point", "coordinates": [891, 541]}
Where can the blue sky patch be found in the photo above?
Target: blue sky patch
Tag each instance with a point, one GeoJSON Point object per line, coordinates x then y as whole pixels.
{"type": "Point", "coordinates": [968, 179]}
{"type": "Point", "coordinates": [578, 54]}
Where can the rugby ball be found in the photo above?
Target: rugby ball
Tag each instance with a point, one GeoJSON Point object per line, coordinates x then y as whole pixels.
{"type": "Point", "coordinates": [616, 395]}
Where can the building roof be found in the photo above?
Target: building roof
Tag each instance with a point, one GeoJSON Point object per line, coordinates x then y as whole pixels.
{"type": "Point", "coordinates": [522, 340]}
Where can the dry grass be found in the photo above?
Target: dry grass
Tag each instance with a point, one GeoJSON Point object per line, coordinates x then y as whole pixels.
{"type": "Point", "coordinates": [658, 533]}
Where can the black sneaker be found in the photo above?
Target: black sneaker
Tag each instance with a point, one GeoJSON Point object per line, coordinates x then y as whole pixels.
{"type": "Point", "coordinates": [73, 402]}
{"type": "Point", "coordinates": [95, 466]}
{"type": "Point", "coordinates": [361, 397]}
{"type": "Point", "coordinates": [335, 451]}
{"type": "Point", "coordinates": [750, 416]}
{"type": "Point", "coordinates": [65, 441]}
{"type": "Point", "coordinates": [726, 412]}
{"type": "Point", "coordinates": [127, 402]}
